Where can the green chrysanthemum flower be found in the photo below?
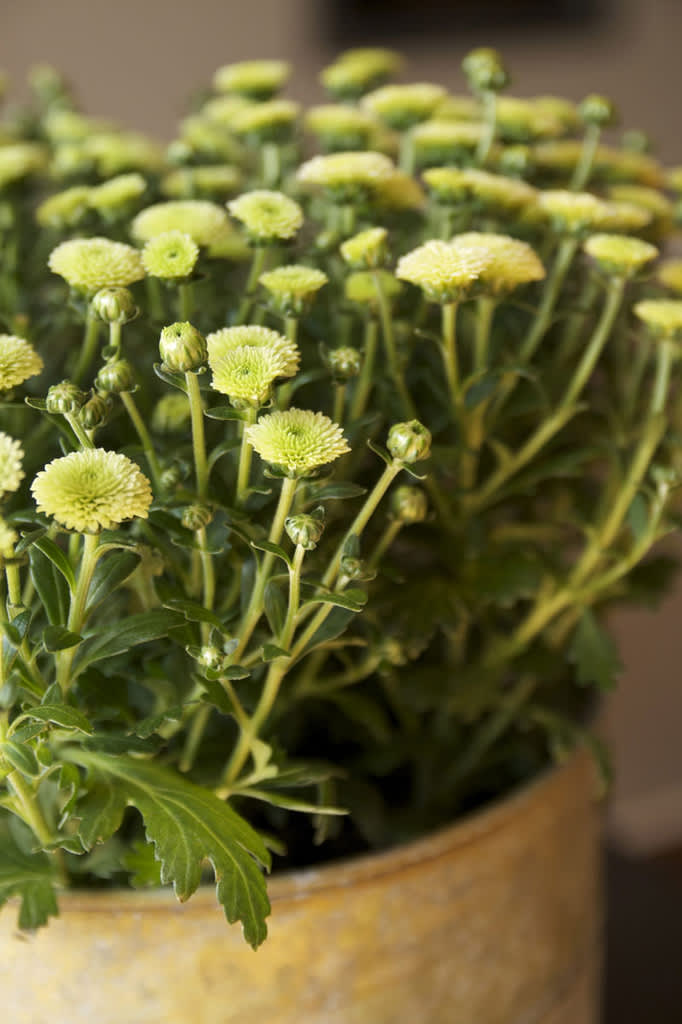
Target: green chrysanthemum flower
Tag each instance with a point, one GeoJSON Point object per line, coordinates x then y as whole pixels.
{"type": "Point", "coordinates": [298, 440]}
{"type": "Point", "coordinates": [620, 254]}
{"type": "Point", "coordinates": [267, 215]}
{"type": "Point", "coordinates": [509, 264]}
{"type": "Point", "coordinates": [118, 152]}
{"type": "Point", "coordinates": [18, 361]}
{"type": "Point", "coordinates": [221, 109]}
{"type": "Point", "coordinates": [293, 287]}
{"type": "Point", "coordinates": [64, 209]}
{"type": "Point", "coordinates": [654, 202]}
{"type": "Point", "coordinates": [366, 250]}
{"type": "Point", "coordinates": [171, 255]}
{"type": "Point", "coordinates": [247, 374]}
{"type": "Point", "coordinates": [11, 457]}
{"type": "Point", "coordinates": [626, 217]}
{"type": "Point", "coordinates": [70, 126]}
{"type": "Point", "coordinates": [217, 180]}
{"type": "Point", "coordinates": [673, 179]}
{"type": "Point", "coordinates": [202, 220]}
{"type": "Point", "coordinates": [273, 121]}
{"type": "Point", "coordinates": [171, 413]}
{"type": "Point", "coordinates": [230, 245]}
{"type": "Point", "coordinates": [361, 287]}
{"type": "Point", "coordinates": [573, 213]}
{"type": "Point", "coordinates": [557, 156]}
{"type": "Point", "coordinates": [401, 106]}
{"type": "Point", "coordinates": [518, 120]}
{"type": "Point", "coordinates": [458, 108]}
{"type": "Point", "coordinates": [19, 159]}
{"type": "Point", "coordinates": [340, 127]}
{"type": "Point", "coordinates": [92, 490]}
{"type": "Point", "coordinates": [253, 336]}
{"type": "Point", "coordinates": [450, 184]}
{"type": "Point", "coordinates": [356, 71]}
{"type": "Point", "coordinates": [117, 194]}
{"type": "Point", "coordinates": [663, 317]}
{"type": "Point", "coordinates": [445, 141]}
{"type": "Point", "coordinates": [398, 191]}
{"type": "Point", "coordinates": [563, 110]}
{"type": "Point", "coordinates": [670, 275]}
{"type": "Point", "coordinates": [444, 272]}
{"type": "Point", "coordinates": [346, 173]}
{"type": "Point", "coordinates": [259, 79]}
{"type": "Point", "coordinates": [93, 263]}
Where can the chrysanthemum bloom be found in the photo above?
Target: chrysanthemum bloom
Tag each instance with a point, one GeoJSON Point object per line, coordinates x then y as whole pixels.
{"type": "Point", "coordinates": [93, 263]}
{"type": "Point", "coordinates": [626, 217]}
{"type": "Point", "coordinates": [495, 191]}
{"type": "Point", "coordinates": [92, 490]}
{"type": "Point", "coordinates": [398, 191]}
{"type": "Point", "coordinates": [620, 254]}
{"type": "Point", "coordinates": [650, 199]}
{"type": "Point", "coordinates": [357, 71]}
{"type": "Point", "coordinates": [573, 213]}
{"type": "Point", "coordinates": [458, 108]}
{"type": "Point", "coordinates": [217, 180]}
{"type": "Point", "coordinates": [340, 127]}
{"type": "Point", "coordinates": [64, 209]}
{"type": "Point", "coordinates": [253, 336]}
{"type": "Point", "coordinates": [519, 120]}
{"type": "Point", "coordinates": [202, 139]}
{"type": "Point", "coordinates": [259, 79]}
{"type": "Point", "coordinates": [117, 194]}
{"type": "Point", "coordinates": [361, 287]}
{"type": "Point", "coordinates": [19, 159]}
{"type": "Point", "coordinates": [221, 109]}
{"type": "Point", "coordinates": [509, 262]}
{"type": "Point", "coordinates": [171, 413]}
{"type": "Point", "coordinates": [293, 287]}
{"type": "Point", "coordinates": [230, 245]}
{"type": "Point", "coordinates": [409, 504]}
{"type": "Point", "coordinates": [171, 255]}
{"type": "Point", "coordinates": [202, 220]}
{"type": "Point", "coordinates": [346, 174]}
{"type": "Point", "coordinates": [670, 275]}
{"type": "Point", "coordinates": [297, 440]}
{"type": "Point", "coordinates": [401, 106]}
{"type": "Point", "coordinates": [18, 361]}
{"type": "Point", "coordinates": [117, 152]}
{"type": "Point", "coordinates": [674, 179]}
{"type": "Point", "coordinates": [273, 121]}
{"type": "Point", "coordinates": [70, 126]}
{"type": "Point", "coordinates": [444, 272]}
{"type": "Point", "coordinates": [366, 250]}
{"type": "Point", "coordinates": [663, 317]}
{"type": "Point", "coordinates": [11, 456]}
{"type": "Point", "coordinates": [442, 141]}
{"type": "Point", "coordinates": [70, 160]}
{"type": "Point", "coordinates": [247, 374]}
{"type": "Point", "coordinates": [558, 156]}
{"type": "Point", "coordinates": [267, 215]}
{"type": "Point", "coordinates": [627, 165]}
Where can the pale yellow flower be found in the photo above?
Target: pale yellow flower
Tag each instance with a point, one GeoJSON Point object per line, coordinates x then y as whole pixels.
{"type": "Point", "coordinates": [297, 440]}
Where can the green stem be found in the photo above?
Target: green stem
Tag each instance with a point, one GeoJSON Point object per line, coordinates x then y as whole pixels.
{"type": "Point", "coordinates": [294, 598]}
{"type": "Point", "coordinates": [186, 299]}
{"type": "Point", "coordinates": [485, 311]}
{"type": "Point", "coordinates": [390, 533]}
{"type": "Point", "coordinates": [390, 347]}
{"type": "Point", "coordinates": [245, 456]}
{"type": "Point", "coordinates": [489, 100]}
{"type": "Point", "coordinates": [545, 311]}
{"type": "Point", "coordinates": [583, 168]}
{"type": "Point", "coordinates": [83, 439]}
{"type": "Point", "coordinates": [364, 382]}
{"type": "Point", "coordinates": [88, 348]}
{"type": "Point", "coordinates": [145, 438]}
{"type": "Point", "coordinates": [487, 734]}
{"type": "Point", "coordinates": [198, 438]}
{"type": "Point", "coordinates": [450, 359]}
{"type": "Point", "coordinates": [77, 608]}
{"type": "Point", "coordinates": [272, 164]}
{"type": "Point", "coordinates": [257, 267]}
{"type": "Point", "coordinates": [339, 402]}
{"type": "Point", "coordinates": [30, 812]}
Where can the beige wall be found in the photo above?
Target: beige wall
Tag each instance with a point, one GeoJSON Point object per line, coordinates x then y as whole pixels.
{"type": "Point", "coordinates": [136, 62]}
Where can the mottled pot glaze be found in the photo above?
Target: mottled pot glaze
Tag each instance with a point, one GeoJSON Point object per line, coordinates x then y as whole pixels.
{"type": "Point", "coordinates": [496, 920]}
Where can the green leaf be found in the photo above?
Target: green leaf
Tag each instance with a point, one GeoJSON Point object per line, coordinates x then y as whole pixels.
{"type": "Point", "coordinates": [110, 572]}
{"type": "Point", "coordinates": [594, 653]}
{"type": "Point", "coordinates": [52, 588]}
{"type": "Point", "coordinates": [58, 559]}
{"type": "Point", "coordinates": [195, 612]}
{"type": "Point", "coordinates": [334, 625]}
{"type": "Point", "coordinates": [187, 825]}
{"type": "Point", "coordinates": [336, 491]}
{"type": "Point", "coordinates": [638, 516]}
{"type": "Point", "coordinates": [290, 803]}
{"type": "Point", "coordinates": [59, 638]}
{"type": "Point", "coordinates": [148, 726]}
{"type": "Point", "coordinates": [273, 549]}
{"type": "Point", "coordinates": [29, 538]}
{"type": "Point", "coordinates": [272, 651]}
{"type": "Point", "coordinates": [30, 877]}
{"type": "Point", "coordinates": [20, 757]}
{"type": "Point", "coordinates": [141, 861]}
{"type": "Point", "coordinates": [62, 715]}
{"type": "Point", "coordinates": [275, 607]}
{"type": "Point", "coordinates": [354, 599]}
{"type": "Point", "coordinates": [224, 412]}
{"type": "Point", "coordinates": [121, 636]}
{"type": "Point", "coordinates": [176, 380]}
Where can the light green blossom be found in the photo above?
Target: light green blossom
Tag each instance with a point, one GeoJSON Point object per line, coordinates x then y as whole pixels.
{"type": "Point", "coordinates": [92, 490]}
{"type": "Point", "coordinates": [93, 263]}
{"type": "Point", "coordinates": [366, 250]}
{"type": "Point", "coordinates": [18, 361]}
{"type": "Point", "coordinates": [171, 255]}
{"type": "Point", "coordinates": [221, 109]}
{"type": "Point", "coordinates": [346, 172]}
{"type": "Point", "coordinates": [246, 374]}
{"type": "Point", "coordinates": [209, 180]}
{"type": "Point", "coordinates": [11, 458]}
{"type": "Point", "coordinates": [509, 262]}
{"type": "Point", "coordinates": [18, 160]}
{"type": "Point", "coordinates": [520, 120]}
{"type": "Point", "coordinates": [402, 106]}
{"type": "Point", "coordinates": [272, 121]}
{"type": "Point", "coordinates": [663, 317]}
{"type": "Point", "coordinates": [361, 287]}
{"type": "Point", "coordinates": [443, 141]}
{"type": "Point", "coordinates": [338, 126]}
{"type": "Point", "coordinates": [202, 220]}
{"type": "Point", "coordinates": [117, 152]}
{"type": "Point", "coordinates": [64, 209]}
{"type": "Point", "coordinates": [293, 287]}
{"type": "Point", "coordinates": [444, 272]}
{"type": "Point", "coordinates": [267, 215]}
{"type": "Point", "coordinates": [117, 194]}
{"type": "Point", "coordinates": [670, 275]}
{"type": "Point", "coordinates": [356, 71]}
{"type": "Point", "coordinates": [171, 413]}
{"type": "Point", "coordinates": [256, 78]}
{"type": "Point", "coordinates": [620, 254]}
{"type": "Point", "coordinates": [253, 336]}
{"type": "Point", "coordinates": [573, 213]}
{"type": "Point", "coordinates": [450, 184]}
{"type": "Point", "coordinates": [297, 440]}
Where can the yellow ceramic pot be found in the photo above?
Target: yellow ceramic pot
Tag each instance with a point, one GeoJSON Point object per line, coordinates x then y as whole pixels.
{"type": "Point", "coordinates": [495, 920]}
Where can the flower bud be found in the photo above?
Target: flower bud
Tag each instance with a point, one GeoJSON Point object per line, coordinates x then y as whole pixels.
{"type": "Point", "coordinates": [211, 657]}
{"type": "Point", "coordinates": [344, 362]}
{"type": "Point", "coordinates": [64, 398]}
{"type": "Point", "coordinates": [409, 442]}
{"type": "Point", "coordinates": [484, 70]}
{"type": "Point", "coordinates": [355, 569]}
{"type": "Point", "coordinates": [196, 517]}
{"type": "Point", "coordinates": [96, 411]}
{"type": "Point", "coordinates": [305, 530]}
{"type": "Point", "coordinates": [116, 376]}
{"type": "Point", "coordinates": [172, 476]}
{"type": "Point", "coordinates": [596, 109]}
{"type": "Point", "coordinates": [182, 347]}
{"type": "Point", "coordinates": [366, 250]}
{"type": "Point", "coordinates": [409, 504]}
{"type": "Point", "coordinates": [114, 305]}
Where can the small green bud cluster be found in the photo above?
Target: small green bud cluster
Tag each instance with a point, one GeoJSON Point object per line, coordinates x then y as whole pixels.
{"type": "Point", "coordinates": [183, 348]}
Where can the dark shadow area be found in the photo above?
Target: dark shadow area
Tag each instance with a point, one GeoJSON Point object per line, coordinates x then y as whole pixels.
{"type": "Point", "coordinates": [644, 941]}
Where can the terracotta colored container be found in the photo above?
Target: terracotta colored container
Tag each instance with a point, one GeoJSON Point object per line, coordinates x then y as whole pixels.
{"type": "Point", "coordinates": [496, 920]}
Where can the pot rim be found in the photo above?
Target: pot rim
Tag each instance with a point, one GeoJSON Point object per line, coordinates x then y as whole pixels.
{"type": "Point", "coordinates": [364, 868]}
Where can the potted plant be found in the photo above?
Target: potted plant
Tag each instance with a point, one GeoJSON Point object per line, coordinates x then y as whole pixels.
{"type": "Point", "coordinates": [328, 439]}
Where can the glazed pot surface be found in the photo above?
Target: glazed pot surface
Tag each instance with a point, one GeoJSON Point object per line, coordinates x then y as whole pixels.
{"type": "Point", "coordinates": [496, 920]}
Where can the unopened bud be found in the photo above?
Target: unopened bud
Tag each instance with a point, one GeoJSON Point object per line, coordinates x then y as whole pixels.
{"type": "Point", "coordinates": [345, 362]}
{"type": "Point", "coordinates": [96, 411]}
{"type": "Point", "coordinates": [183, 347]}
{"type": "Point", "coordinates": [409, 504]}
{"type": "Point", "coordinates": [196, 517]}
{"type": "Point", "coordinates": [355, 569]}
{"type": "Point", "coordinates": [114, 305]}
{"type": "Point", "coordinates": [484, 70]}
{"type": "Point", "coordinates": [305, 530]}
{"type": "Point", "coordinates": [409, 442]}
{"type": "Point", "coordinates": [211, 657]}
{"type": "Point", "coordinates": [116, 376]}
{"type": "Point", "coordinates": [596, 109]}
{"type": "Point", "coordinates": [64, 398]}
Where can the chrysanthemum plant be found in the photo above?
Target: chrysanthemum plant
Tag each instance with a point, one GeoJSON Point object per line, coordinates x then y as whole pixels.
{"type": "Point", "coordinates": [319, 469]}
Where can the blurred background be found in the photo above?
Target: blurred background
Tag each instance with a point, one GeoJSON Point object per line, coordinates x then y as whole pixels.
{"type": "Point", "coordinates": [136, 61]}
